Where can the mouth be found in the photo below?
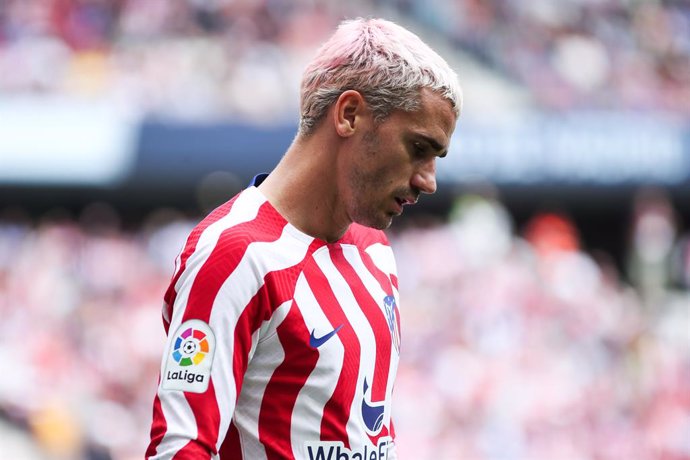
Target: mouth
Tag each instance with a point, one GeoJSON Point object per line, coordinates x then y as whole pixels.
{"type": "Point", "coordinates": [405, 201]}
{"type": "Point", "coordinates": [400, 202]}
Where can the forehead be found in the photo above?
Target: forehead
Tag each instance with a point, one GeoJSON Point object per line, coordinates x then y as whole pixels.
{"type": "Point", "coordinates": [435, 117]}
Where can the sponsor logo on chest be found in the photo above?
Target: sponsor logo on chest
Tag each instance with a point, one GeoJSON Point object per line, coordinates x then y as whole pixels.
{"type": "Point", "coordinates": [330, 450]}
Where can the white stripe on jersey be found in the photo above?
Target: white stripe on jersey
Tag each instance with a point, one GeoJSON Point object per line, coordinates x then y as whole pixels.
{"type": "Point", "coordinates": [245, 209]}
{"type": "Point", "coordinates": [374, 288]}
{"type": "Point", "coordinates": [365, 335]}
{"type": "Point", "coordinates": [383, 258]}
{"type": "Point", "coordinates": [238, 290]}
{"type": "Point", "coordinates": [249, 404]}
{"type": "Point", "coordinates": [181, 423]}
{"type": "Point", "coordinates": [309, 407]}
{"type": "Point", "coordinates": [172, 404]}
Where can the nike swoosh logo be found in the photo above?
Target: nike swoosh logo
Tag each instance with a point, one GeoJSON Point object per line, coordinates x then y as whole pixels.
{"type": "Point", "coordinates": [316, 342]}
{"type": "Point", "coordinates": [372, 414]}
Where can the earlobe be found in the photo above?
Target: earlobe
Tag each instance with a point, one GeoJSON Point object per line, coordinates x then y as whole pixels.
{"type": "Point", "coordinates": [348, 110]}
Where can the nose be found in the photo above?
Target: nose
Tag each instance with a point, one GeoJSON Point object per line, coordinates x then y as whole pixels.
{"type": "Point", "coordinates": [424, 179]}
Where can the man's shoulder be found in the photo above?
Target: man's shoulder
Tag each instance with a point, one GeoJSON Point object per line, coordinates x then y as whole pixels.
{"type": "Point", "coordinates": [242, 220]}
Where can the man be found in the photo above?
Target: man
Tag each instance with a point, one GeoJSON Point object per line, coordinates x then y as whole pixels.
{"type": "Point", "coordinates": [282, 315]}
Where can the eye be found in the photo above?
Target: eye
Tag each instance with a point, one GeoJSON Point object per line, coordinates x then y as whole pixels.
{"type": "Point", "coordinates": [418, 149]}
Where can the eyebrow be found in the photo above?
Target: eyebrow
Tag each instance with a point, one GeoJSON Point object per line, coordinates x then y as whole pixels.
{"type": "Point", "coordinates": [434, 144]}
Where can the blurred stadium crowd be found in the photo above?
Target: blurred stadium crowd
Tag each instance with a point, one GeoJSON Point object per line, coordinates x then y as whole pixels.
{"type": "Point", "coordinates": [576, 54]}
{"type": "Point", "coordinates": [243, 58]}
{"type": "Point", "coordinates": [525, 345]}
{"type": "Point", "coordinates": [520, 343]}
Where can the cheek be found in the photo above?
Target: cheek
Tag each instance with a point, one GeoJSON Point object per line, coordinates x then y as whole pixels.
{"type": "Point", "coordinates": [371, 174]}
{"type": "Point", "coordinates": [392, 174]}
{"type": "Point", "coordinates": [379, 182]}
{"type": "Point", "coordinates": [379, 169]}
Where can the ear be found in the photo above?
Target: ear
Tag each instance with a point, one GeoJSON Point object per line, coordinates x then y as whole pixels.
{"type": "Point", "coordinates": [349, 112]}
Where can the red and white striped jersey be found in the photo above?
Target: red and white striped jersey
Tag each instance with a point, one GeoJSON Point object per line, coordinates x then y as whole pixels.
{"type": "Point", "coordinates": [280, 345]}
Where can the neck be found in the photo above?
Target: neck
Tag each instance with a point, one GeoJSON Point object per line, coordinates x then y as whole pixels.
{"type": "Point", "coordinates": [304, 188]}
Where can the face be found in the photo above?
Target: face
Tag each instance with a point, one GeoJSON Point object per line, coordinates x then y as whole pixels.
{"type": "Point", "coordinates": [394, 162]}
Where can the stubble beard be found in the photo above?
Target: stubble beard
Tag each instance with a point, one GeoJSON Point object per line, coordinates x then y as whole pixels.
{"type": "Point", "coordinates": [365, 184]}
{"type": "Point", "coordinates": [363, 210]}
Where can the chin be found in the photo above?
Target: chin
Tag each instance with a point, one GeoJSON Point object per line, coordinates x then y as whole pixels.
{"type": "Point", "coordinates": [373, 217]}
{"type": "Point", "coordinates": [377, 223]}
{"type": "Point", "coordinates": [383, 226]}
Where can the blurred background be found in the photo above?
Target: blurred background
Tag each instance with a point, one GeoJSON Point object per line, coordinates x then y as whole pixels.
{"type": "Point", "coordinates": [545, 286]}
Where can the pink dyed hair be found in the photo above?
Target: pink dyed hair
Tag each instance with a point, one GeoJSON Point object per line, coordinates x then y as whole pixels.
{"type": "Point", "coordinates": [385, 62]}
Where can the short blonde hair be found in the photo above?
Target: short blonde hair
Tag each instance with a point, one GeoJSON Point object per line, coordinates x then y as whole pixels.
{"type": "Point", "coordinates": [386, 63]}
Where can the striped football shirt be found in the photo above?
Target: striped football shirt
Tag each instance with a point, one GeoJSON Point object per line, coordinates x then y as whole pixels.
{"type": "Point", "coordinates": [280, 345]}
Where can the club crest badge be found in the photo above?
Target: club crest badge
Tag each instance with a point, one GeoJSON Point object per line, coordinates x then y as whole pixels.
{"type": "Point", "coordinates": [393, 318]}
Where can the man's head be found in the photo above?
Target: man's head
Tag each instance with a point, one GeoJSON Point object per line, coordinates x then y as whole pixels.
{"type": "Point", "coordinates": [387, 165]}
{"type": "Point", "coordinates": [386, 63]}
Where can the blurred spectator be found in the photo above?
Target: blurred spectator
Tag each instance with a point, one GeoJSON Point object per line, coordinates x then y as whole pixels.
{"type": "Point", "coordinates": [653, 236]}
{"type": "Point", "coordinates": [681, 262]}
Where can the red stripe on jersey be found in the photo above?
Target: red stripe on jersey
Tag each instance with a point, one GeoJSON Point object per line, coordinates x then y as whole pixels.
{"type": "Point", "coordinates": [207, 417]}
{"type": "Point", "coordinates": [336, 412]}
{"type": "Point", "coordinates": [286, 382]}
{"type": "Point", "coordinates": [394, 281]}
{"type": "Point", "coordinates": [231, 447]}
{"type": "Point", "coordinates": [364, 237]}
{"type": "Point", "coordinates": [382, 278]}
{"type": "Point", "coordinates": [190, 247]}
{"type": "Point", "coordinates": [191, 451]}
{"type": "Point", "coordinates": [245, 327]}
{"type": "Point", "coordinates": [223, 260]}
{"type": "Point", "coordinates": [225, 257]}
{"type": "Point", "coordinates": [372, 310]}
{"type": "Point", "coordinates": [158, 427]}
{"type": "Point", "coordinates": [277, 289]}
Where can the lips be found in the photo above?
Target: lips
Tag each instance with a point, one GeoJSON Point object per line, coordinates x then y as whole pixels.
{"type": "Point", "coordinates": [403, 201]}
{"type": "Point", "coordinates": [398, 208]}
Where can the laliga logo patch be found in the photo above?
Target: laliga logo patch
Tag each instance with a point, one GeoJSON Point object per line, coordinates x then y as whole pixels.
{"type": "Point", "coordinates": [190, 355]}
{"type": "Point", "coordinates": [191, 347]}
